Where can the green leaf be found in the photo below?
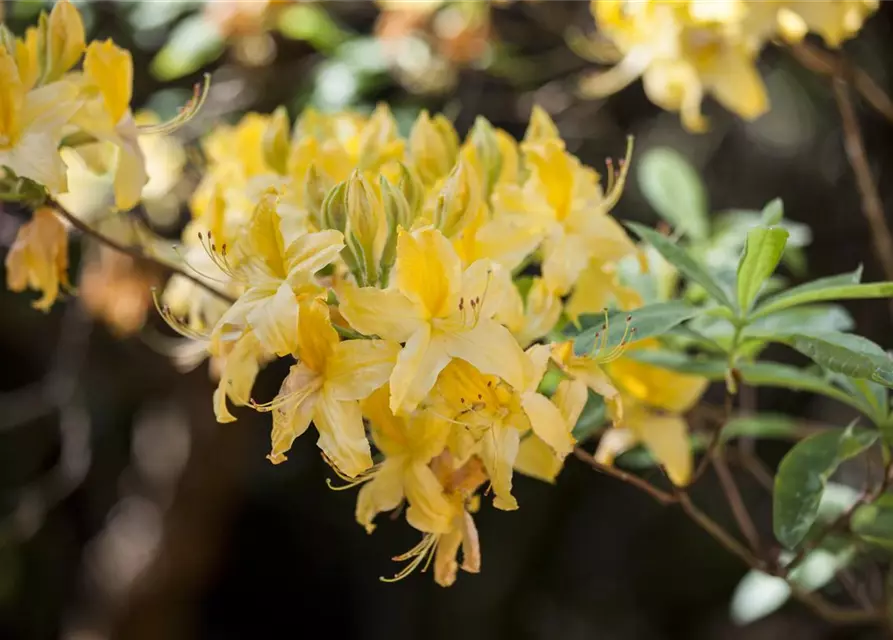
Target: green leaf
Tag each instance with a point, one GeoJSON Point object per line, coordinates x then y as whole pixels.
{"type": "Point", "coordinates": [675, 190]}
{"type": "Point", "coordinates": [874, 522]}
{"type": "Point", "coordinates": [193, 43]}
{"type": "Point", "coordinates": [762, 253]}
{"type": "Point", "coordinates": [802, 476]}
{"type": "Point", "coordinates": [682, 260]}
{"type": "Point", "coordinates": [845, 353]}
{"type": "Point", "coordinates": [647, 321]}
{"type": "Point", "coordinates": [817, 317]}
{"type": "Point", "coordinates": [843, 287]}
{"type": "Point", "coordinates": [772, 213]}
{"type": "Point", "coordinates": [312, 25]}
{"type": "Point", "coordinates": [764, 425]}
{"type": "Point", "coordinates": [592, 419]}
{"type": "Point", "coordinates": [759, 594]}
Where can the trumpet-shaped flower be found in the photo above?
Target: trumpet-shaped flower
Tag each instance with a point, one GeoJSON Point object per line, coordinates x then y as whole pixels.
{"type": "Point", "coordinates": [276, 270]}
{"type": "Point", "coordinates": [31, 125]}
{"type": "Point", "coordinates": [108, 87]}
{"type": "Point", "coordinates": [39, 258]}
{"type": "Point", "coordinates": [439, 312]}
{"type": "Point", "coordinates": [409, 445]}
{"type": "Point", "coordinates": [325, 386]}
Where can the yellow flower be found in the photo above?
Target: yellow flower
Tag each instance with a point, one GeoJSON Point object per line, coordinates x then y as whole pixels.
{"type": "Point", "coordinates": [439, 312]}
{"type": "Point", "coordinates": [31, 125]}
{"type": "Point", "coordinates": [38, 259]}
{"type": "Point", "coordinates": [654, 400]}
{"type": "Point", "coordinates": [589, 370]}
{"type": "Point", "coordinates": [409, 445]}
{"type": "Point", "coordinates": [64, 40]}
{"type": "Point", "coordinates": [108, 85]}
{"type": "Point", "coordinates": [682, 50]}
{"type": "Point", "coordinates": [535, 457]}
{"type": "Point", "coordinates": [241, 362]}
{"type": "Point", "coordinates": [324, 387]}
{"type": "Point", "coordinates": [597, 288]}
{"type": "Point", "coordinates": [434, 146]}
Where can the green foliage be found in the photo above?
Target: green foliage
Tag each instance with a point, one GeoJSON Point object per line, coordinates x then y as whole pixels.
{"type": "Point", "coordinates": [874, 522]}
{"type": "Point", "coordinates": [675, 190]}
{"type": "Point", "coordinates": [592, 419]}
{"type": "Point", "coordinates": [647, 321]}
{"type": "Point", "coordinates": [762, 253]}
{"type": "Point", "coordinates": [802, 476]}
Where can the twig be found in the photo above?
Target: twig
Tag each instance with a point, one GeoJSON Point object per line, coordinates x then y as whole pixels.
{"type": "Point", "coordinates": [753, 465]}
{"type": "Point", "coordinates": [872, 206]}
{"type": "Point", "coordinates": [739, 509]}
{"type": "Point", "coordinates": [717, 532]}
{"type": "Point", "coordinates": [661, 496]}
{"type": "Point", "coordinates": [827, 63]}
{"type": "Point", "coordinates": [134, 252]}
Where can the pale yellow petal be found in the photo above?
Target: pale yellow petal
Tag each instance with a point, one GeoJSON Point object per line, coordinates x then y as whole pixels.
{"type": "Point", "coordinates": [275, 321]}
{"type": "Point", "coordinates": [310, 252]}
{"type": "Point", "coordinates": [418, 365]}
{"type": "Point", "coordinates": [499, 449]}
{"type": "Point", "coordinates": [428, 271]}
{"type": "Point", "coordinates": [612, 443]}
{"type": "Point", "coordinates": [341, 434]}
{"type": "Point", "coordinates": [298, 397]}
{"type": "Point", "coordinates": [570, 398]}
{"type": "Point", "coordinates": [547, 422]}
{"type": "Point", "coordinates": [667, 439]}
{"type": "Point", "coordinates": [735, 81]}
{"type": "Point", "coordinates": [537, 460]}
{"type": "Point", "coordinates": [564, 259]}
{"type": "Point", "coordinates": [445, 565]}
{"type": "Point", "coordinates": [383, 493]}
{"type": "Point", "coordinates": [385, 313]}
{"type": "Point", "coordinates": [429, 510]}
{"type": "Point", "coordinates": [471, 546]}
{"type": "Point", "coordinates": [359, 367]}
{"type": "Point", "coordinates": [316, 337]}
{"type": "Point", "coordinates": [491, 348]}
{"type": "Point", "coordinates": [130, 173]}
{"type": "Point", "coordinates": [657, 387]}
{"type": "Point", "coordinates": [237, 377]}
{"type": "Point", "coordinates": [110, 68]}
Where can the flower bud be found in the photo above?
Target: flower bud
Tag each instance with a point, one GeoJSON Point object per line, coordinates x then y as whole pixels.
{"type": "Point", "coordinates": [487, 153]}
{"type": "Point", "coordinates": [541, 127]}
{"type": "Point", "coordinates": [334, 208]}
{"type": "Point", "coordinates": [459, 202]}
{"type": "Point", "coordinates": [314, 195]}
{"type": "Point", "coordinates": [412, 189]}
{"type": "Point", "coordinates": [380, 140]}
{"type": "Point", "coordinates": [433, 144]}
{"type": "Point", "coordinates": [366, 224]}
{"type": "Point", "coordinates": [276, 141]}
{"type": "Point", "coordinates": [64, 40]}
{"type": "Point", "coordinates": [398, 215]}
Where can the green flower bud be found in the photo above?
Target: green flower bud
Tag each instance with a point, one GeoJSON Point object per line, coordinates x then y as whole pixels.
{"type": "Point", "coordinates": [459, 201]}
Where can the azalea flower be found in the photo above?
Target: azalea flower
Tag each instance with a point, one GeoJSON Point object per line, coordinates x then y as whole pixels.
{"type": "Point", "coordinates": [38, 259]}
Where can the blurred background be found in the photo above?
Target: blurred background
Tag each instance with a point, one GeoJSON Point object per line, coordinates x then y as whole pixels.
{"type": "Point", "coordinates": [127, 512]}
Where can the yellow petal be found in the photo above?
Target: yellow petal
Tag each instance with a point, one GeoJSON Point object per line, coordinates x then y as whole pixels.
{"type": "Point", "coordinates": [39, 257]}
{"type": "Point", "coordinates": [130, 173]}
{"type": "Point", "coordinates": [547, 422]}
{"type": "Point", "coordinates": [735, 81]}
{"type": "Point", "coordinates": [383, 493]}
{"type": "Point", "coordinates": [416, 371]}
{"type": "Point", "coordinates": [613, 442]}
{"type": "Point", "coordinates": [110, 69]}
{"type": "Point", "coordinates": [656, 387]}
{"type": "Point", "coordinates": [275, 321]}
{"type": "Point", "coordinates": [64, 40]}
{"type": "Point", "coordinates": [341, 434]}
{"type": "Point", "coordinates": [428, 271]}
{"type": "Point", "coordinates": [12, 99]}
{"type": "Point", "coordinates": [356, 368]}
{"type": "Point", "coordinates": [316, 338]}
{"type": "Point", "coordinates": [237, 377]}
{"type": "Point", "coordinates": [667, 439]}
{"type": "Point", "coordinates": [429, 510]}
{"type": "Point", "coordinates": [26, 56]}
{"type": "Point", "coordinates": [445, 565]}
{"type": "Point", "coordinates": [310, 252]}
{"type": "Point", "coordinates": [570, 398]}
{"type": "Point", "coordinates": [537, 460]}
{"type": "Point", "coordinates": [541, 313]}
{"type": "Point", "coordinates": [564, 259]}
{"type": "Point", "coordinates": [298, 397]}
{"type": "Point", "coordinates": [499, 449]}
{"type": "Point", "coordinates": [491, 348]}
{"type": "Point", "coordinates": [386, 313]}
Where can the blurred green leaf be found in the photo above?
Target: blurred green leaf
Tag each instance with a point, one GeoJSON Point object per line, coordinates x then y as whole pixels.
{"type": "Point", "coordinates": [311, 23]}
{"type": "Point", "coordinates": [819, 317]}
{"type": "Point", "coordinates": [592, 419]}
{"type": "Point", "coordinates": [683, 260]}
{"type": "Point", "coordinates": [762, 425]}
{"type": "Point", "coordinates": [772, 213]}
{"type": "Point", "coordinates": [845, 353]}
{"type": "Point", "coordinates": [648, 321]}
{"type": "Point", "coordinates": [675, 190]}
{"type": "Point", "coordinates": [802, 475]}
{"type": "Point", "coordinates": [762, 252]}
{"type": "Point", "coordinates": [194, 42]}
{"type": "Point", "coordinates": [874, 522]}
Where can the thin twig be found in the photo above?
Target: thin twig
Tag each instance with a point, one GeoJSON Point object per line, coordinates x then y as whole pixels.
{"type": "Point", "coordinates": [661, 496]}
{"type": "Point", "coordinates": [826, 63]}
{"type": "Point", "coordinates": [872, 206]}
{"type": "Point", "coordinates": [717, 532]}
{"type": "Point", "coordinates": [134, 252]}
{"type": "Point", "coordinates": [736, 503]}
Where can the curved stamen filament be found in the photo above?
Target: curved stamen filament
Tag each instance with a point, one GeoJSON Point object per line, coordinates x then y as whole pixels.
{"type": "Point", "coordinates": [297, 396]}
{"type": "Point", "coordinates": [176, 323]}
{"type": "Point", "coordinates": [616, 190]}
{"type": "Point", "coordinates": [186, 113]}
{"type": "Point", "coordinates": [351, 482]}
{"type": "Point", "coordinates": [422, 552]}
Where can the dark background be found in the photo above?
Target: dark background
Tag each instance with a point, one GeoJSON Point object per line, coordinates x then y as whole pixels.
{"type": "Point", "coordinates": [129, 513]}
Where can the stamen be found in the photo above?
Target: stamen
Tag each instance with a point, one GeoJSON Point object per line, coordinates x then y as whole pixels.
{"type": "Point", "coordinates": [422, 552]}
{"type": "Point", "coordinates": [186, 113]}
{"type": "Point", "coordinates": [175, 323]}
{"type": "Point", "coordinates": [298, 395]}
{"type": "Point", "coordinates": [612, 196]}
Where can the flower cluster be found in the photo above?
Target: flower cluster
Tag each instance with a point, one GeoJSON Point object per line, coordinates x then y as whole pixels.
{"type": "Point", "coordinates": [66, 127]}
{"type": "Point", "coordinates": [394, 274]}
{"type": "Point", "coordinates": [684, 50]}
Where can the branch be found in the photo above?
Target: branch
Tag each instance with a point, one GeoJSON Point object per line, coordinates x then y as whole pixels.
{"type": "Point", "coordinates": [658, 494]}
{"type": "Point", "coordinates": [826, 63]}
{"type": "Point", "coordinates": [739, 509]}
{"type": "Point", "coordinates": [134, 252]}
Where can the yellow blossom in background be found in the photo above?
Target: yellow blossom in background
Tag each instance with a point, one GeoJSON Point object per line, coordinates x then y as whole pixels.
{"type": "Point", "coordinates": [686, 50]}
{"type": "Point", "coordinates": [38, 259]}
